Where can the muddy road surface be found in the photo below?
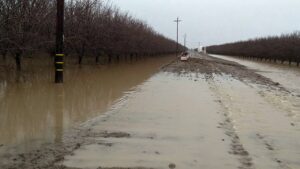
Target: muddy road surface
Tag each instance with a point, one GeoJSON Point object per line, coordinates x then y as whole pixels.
{"type": "Point", "coordinates": [203, 113]}
{"type": "Point", "coordinates": [287, 76]}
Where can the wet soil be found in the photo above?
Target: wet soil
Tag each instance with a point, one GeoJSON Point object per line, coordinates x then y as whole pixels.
{"type": "Point", "coordinates": [209, 65]}
{"type": "Point", "coordinates": [50, 155]}
{"type": "Point", "coordinates": [287, 76]}
{"type": "Point", "coordinates": [206, 64]}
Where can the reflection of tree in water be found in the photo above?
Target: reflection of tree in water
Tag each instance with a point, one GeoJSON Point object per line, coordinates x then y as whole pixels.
{"type": "Point", "coordinates": [59, 112]}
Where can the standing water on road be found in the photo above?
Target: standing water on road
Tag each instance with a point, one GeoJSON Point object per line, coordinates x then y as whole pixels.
{"type": "Point", "coordinates": [34, 110]}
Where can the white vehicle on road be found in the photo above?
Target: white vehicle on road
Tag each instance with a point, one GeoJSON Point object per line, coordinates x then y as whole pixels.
{"type": "Point", "coordinates": [184, 56]}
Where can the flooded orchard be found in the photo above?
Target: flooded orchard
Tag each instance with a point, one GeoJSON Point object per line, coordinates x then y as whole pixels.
{"type": "Point", "coordinates": [35, 111]}
{"type": "Point", "coordinates": [115, 84]}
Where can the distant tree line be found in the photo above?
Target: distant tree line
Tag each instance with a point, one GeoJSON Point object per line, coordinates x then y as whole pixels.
{"type": "Point", "coordinates": [277, 48]}
{"type": "Point", "coordinates": [92, 28]}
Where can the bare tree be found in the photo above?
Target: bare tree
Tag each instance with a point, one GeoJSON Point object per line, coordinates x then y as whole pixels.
{"type": "Point", "coordinates": [277, 48]}
{"type": "Point", "coordinates": [92, 28]}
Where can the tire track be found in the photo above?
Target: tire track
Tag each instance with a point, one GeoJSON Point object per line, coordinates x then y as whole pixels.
{"type": "Point", "coordinates": [237, 148]}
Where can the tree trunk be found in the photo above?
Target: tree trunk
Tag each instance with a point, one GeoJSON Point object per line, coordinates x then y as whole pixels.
{"type": "Point", "coordinates": [97, 59]}
{"type": "Point", "coordinates": [109, 59]}
{"type": "Point", "coordinates": [18, 61]}
{"type": "Point", "coordinates": [4, 55]}
{"type": "Point", "coordinates": [80, 59]}
{"type": "Point", "coordinates": [131, 57]}
{"type": "Point", "coordinates": [118, 58]}
{"type": "Point", "coordinates": [82, 52]}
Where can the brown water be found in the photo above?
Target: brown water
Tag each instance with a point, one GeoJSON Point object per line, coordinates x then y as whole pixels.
{"type": "Point", "coordinates": [34, 111]}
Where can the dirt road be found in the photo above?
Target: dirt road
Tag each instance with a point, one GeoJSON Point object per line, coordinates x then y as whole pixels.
{"type": "Point", "coordinates": [204, 113]}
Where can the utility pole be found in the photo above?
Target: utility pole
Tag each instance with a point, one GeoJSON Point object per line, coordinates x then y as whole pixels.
{"type": "Point", "coordinates": [185, 40]}
{"type": "Point", "coordinates": [59, 57]}
{"type": "Point", "coordinates": [177, 45]}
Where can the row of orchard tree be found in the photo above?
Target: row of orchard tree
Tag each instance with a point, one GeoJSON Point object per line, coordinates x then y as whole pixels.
{"type": "Point", "coordinates": [92, 28]}
{"type": "Point", "coordinates": [276, 48]}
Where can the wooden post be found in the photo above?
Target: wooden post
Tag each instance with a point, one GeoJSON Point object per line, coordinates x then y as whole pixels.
{"type": "Point", "coordinates": [59, 57]}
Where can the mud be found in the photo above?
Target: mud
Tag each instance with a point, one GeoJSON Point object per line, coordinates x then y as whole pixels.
{"type": "Point", "coordinates": [49, 155]}
{"type": "Point", "coordinates": [45, 157]}
{"type": "Point", "coordinates": [125, 168]}
{"type": "Point", "coordinates": [106, 134]}
{"type": "Point", "coordinates": [287, 76]}
{"type": "Point", "coordinates": [206, 64]}
{"type": "Point", "coordinates": [236, 146]}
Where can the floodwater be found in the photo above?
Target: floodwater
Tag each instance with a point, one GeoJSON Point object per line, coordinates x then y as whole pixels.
{"type": "Point", "coordinates": [34, 111]}
{"type": "Point", "coordinates": [194, 121]}
{"type": "Point", "coordinates": [189, 120]}
{"type": "Point", "coordinates": [287, 76]}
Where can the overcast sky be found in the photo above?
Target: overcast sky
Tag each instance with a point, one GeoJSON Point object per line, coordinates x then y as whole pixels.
{"type": "Point", "coordinates": [216, 21]}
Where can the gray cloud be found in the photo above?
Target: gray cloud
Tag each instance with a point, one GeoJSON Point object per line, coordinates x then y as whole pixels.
{"type": "Point", "coordinates": [216, 21]}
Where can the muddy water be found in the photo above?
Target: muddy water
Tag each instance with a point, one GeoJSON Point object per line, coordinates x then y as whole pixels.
{"type": "Point", "coordinates": [289, 77]}
{"type": "Point", "coordinates": [34, 111]}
